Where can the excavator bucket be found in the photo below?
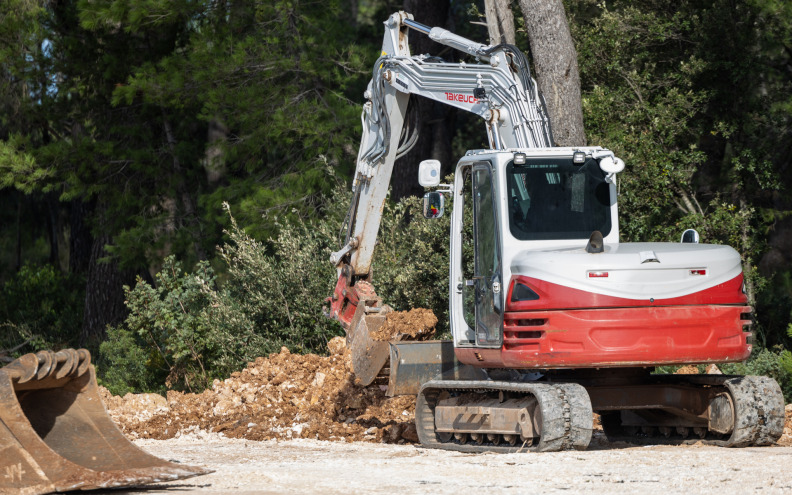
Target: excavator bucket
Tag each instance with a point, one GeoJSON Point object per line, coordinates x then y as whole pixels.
{"type": "Point", "coordinates": [55, 434]}
{"type": "Point", "coordinates": [368, 355]}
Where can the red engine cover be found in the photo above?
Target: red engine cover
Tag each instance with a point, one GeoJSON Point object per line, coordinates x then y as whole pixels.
{"type": "Point", "coordinates": [570, 328]}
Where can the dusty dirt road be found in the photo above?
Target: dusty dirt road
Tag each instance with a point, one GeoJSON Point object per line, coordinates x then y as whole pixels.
{"type": "Point", "coordinates": [313, 466]}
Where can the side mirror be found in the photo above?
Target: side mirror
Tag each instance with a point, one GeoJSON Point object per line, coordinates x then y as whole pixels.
{"type": "Point", "coordinates": [433, 205]}
{"type": "Point", "coordinates": [690, 236]}
{"type": "Point", "coordinates": [429, 173]}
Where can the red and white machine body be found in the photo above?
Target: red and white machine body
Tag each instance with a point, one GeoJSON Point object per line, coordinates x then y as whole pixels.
{"type": "Point", "coordinates": [544, 301]}
{"type": "Point", "coordinates": [633, 304]}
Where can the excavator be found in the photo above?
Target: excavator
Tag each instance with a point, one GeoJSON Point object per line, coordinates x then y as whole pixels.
{"type": "Point", "coordinates": [552, 318]}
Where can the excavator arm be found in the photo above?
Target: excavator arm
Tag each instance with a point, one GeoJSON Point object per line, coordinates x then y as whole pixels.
{"type": "Point", "coordinates": [497, 86]}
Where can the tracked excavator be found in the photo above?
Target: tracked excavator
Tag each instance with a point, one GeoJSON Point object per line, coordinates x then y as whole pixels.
{"type": "Point", "coordinates": [552, 317]}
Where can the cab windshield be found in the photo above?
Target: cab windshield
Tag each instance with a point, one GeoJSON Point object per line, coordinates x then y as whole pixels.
{"type": "Point", "coordinates": [553, 198]}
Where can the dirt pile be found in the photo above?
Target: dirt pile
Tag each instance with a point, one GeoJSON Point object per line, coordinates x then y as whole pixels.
{"type": "Point", "coordinates": [282, 396]}
{"type": "Point", "coordinates": [692, 369]}
{"type": "Point", "coordinates": [415, 324]}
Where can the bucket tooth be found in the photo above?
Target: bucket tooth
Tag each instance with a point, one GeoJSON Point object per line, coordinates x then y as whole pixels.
{"type": "Point", "coordinates": [45, 362]}
{"type": "Point", "coordinates": [55, 434]}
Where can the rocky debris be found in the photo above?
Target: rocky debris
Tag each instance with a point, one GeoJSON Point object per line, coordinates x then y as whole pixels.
{"type": "Point", "coordinates": [786, 438]}
{"type": "Point", "coordinates": [134, 408]}
{"type": "Point", "coordinates": [692, 369]}
{"type": "Point", "coordinates": [415, 324]}
{"type": "Point", "coordinates": [713, 369]}
{"type": "Point", "coordinates": [279, 397]}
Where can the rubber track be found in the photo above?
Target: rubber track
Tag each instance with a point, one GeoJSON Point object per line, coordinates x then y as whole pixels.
{"type": "Point", "coordinates": [565, 408]}
{"type": "Point", "coordinates": [759, 410]}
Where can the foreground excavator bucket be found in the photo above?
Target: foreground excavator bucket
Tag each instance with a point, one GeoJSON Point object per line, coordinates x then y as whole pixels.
{"type": "Point", "coordinates": [55, 434]}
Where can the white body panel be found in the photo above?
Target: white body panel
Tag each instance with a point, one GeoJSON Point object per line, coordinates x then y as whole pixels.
{"type": "Point", "coordinates": [629, 277]}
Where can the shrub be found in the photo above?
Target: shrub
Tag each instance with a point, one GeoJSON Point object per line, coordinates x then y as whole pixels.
{"type": "Point", "coordinates": [188, 330]}
{"type": "Point", "coordinates": [410, 265]}
{"type": "Point", "coordinates": [40, 308]}
{"type": "Point", "coordinates": [126, 366]}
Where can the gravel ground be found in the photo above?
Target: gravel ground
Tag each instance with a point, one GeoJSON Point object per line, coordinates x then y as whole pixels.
{"type": "Point", "coordinates": [312, 466]}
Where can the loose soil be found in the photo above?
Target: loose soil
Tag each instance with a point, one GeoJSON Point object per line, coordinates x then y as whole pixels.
{"type": "Point", "coordinates": [415, 324]}
{"type": "Point", "coordinates": [286, 396]}
{"type": "Point", "coordinates": [282, 396]}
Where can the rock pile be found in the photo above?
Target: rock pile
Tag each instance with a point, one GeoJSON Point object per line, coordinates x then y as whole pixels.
{"type": "Point", "coordinates": [279, 397]}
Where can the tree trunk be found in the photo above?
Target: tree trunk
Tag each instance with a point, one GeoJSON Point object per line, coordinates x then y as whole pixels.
{"type": "Point", "coordinates": [80, 239]}
{"type": "Point", "coordinates": [187, 199]}
{"type": "Point", "coordinates": [353, 11]}
{"type": "Point", "coordinates": [435, 120]}
{"type": "Point", "coordinates": [104, 294]}
{"type": "Point", "coordinates": [555, 62]}
{"type": "Point", "coordinates": [52, 208]}
{"type": "Point", "coordinates": [214, 161]}
{"type": "Point", "coordinates": [18, 248]}
{"type": "Point", "coordinates": [500, 21]}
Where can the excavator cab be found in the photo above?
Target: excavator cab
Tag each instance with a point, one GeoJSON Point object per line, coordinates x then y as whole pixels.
{"type": "Point", "coordinates": [514, 201]}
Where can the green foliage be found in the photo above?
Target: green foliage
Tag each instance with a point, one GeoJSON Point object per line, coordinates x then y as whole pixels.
{"type": "Point", "coordinates": [282, 293]}
{"type": "Point", "coordinates": [127, 366]}
{"type": "Point", "coordinates": [157, 111]}
{"type": "Point", "coordinates": [411, 260]}
{"type": "Point", "coordinates": [188, 330]}
{"type": "Point", "coordinates": [42, 307]}
{"type": "Point", "coordinates": [18, 169]}
{"type": "Point", "coordinates": [265, 77]}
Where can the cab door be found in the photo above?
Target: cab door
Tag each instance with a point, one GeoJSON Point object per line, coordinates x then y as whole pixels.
{"type": "Point", "coordinates": [487, 279]}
